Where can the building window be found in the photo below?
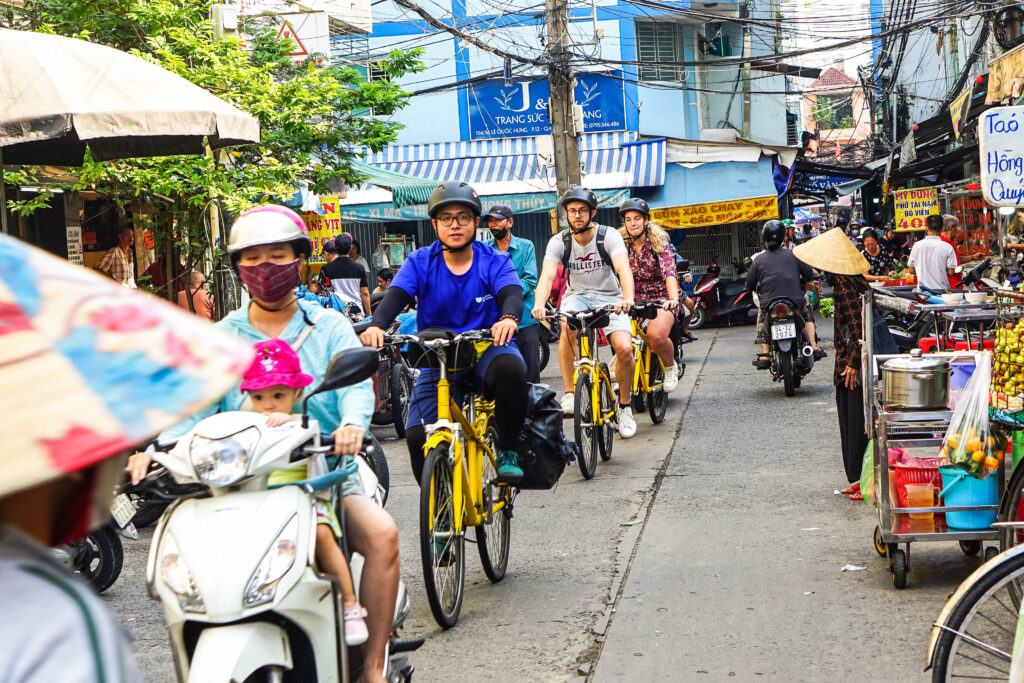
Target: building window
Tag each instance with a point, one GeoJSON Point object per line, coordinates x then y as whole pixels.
{"type": "Point", "coordinates": [659, 43]}
{"type": "Point", "coordinates": [834, 111]}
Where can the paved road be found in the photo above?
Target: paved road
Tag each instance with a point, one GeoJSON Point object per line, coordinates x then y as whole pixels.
{"type": "Point", "coordinates": [709, 548]}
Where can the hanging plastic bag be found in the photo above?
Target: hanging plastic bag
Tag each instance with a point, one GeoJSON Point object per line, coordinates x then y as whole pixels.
{"type": "Point", "coordinates": [867, 474]}
{"type": "Point", "coordinates": [969, 443]}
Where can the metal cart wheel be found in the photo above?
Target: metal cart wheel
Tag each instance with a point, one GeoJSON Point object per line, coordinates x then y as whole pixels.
{"type": "Point", "coordinates": [880, 547]}
{"type": "Point", "coordinates": [990, 552]}
{"type": "Point", "coordinates": [899, 568]}
{"type": "Point", "coordinates": [971, 548]}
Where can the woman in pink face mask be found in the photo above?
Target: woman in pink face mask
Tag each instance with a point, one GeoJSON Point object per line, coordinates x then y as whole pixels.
{"type": "Point", "coordinates": [267, 247]}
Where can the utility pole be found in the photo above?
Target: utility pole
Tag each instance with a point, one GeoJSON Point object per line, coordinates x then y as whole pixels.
{"type": "Point", "coordinates": [560, 106]}
{"type": "Point", "coordinates": [746, 75]}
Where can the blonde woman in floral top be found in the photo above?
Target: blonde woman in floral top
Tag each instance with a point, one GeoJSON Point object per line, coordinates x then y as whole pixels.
{"type": "Point", "coordinates": [654, 278]}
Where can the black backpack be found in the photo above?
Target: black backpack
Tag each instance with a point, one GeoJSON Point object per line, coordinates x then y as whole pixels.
{"type": "Point", "coordinates": [543, 449]}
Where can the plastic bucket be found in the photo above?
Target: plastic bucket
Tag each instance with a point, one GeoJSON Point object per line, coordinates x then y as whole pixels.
{"type": "Point", "coordinates": [959, 489]}
{"type": "Point", "coordinates": [962, 371]}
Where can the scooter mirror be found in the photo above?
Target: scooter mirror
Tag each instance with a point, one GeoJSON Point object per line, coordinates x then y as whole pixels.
{"type": "Point", "coordinates": [349, 367]}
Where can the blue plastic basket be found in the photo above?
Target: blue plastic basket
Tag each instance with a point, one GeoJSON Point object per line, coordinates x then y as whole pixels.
{"type": "Point", "coordinates": [962, 371]}
{"type": "Point", "coordinates": [960, 489]}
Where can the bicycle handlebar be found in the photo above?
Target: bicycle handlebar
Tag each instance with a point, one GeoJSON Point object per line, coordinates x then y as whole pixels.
{"type": "Point", "coordinates": [468, 335]}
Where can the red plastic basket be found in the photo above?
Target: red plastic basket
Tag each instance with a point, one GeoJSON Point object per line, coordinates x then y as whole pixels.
{"type": "Point", "coordinates": [905, 474]}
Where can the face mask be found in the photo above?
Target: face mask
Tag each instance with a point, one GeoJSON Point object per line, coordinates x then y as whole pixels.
{"type": "Point", "coordinates": [268, 281]}
{"type": "Point", "coordinates": [499, 233]}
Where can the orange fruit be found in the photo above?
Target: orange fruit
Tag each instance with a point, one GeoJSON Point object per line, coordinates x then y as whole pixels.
{"type": "Point", "coordinates": [975, 444]}
{"type": "Point", "coordinates": [978, 456]}
{"type": "Point", "coordinates": [954, 441]}
{"type": "Point", "coordinates": [991, 441]}
{"type": "Point", "coordinates": [1000, 455]}
{"type": "Point", "coordinates": [991, 463]}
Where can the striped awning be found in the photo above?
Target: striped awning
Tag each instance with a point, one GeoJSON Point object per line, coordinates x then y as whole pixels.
{"type": "Point", "coordinates": [521, 165]}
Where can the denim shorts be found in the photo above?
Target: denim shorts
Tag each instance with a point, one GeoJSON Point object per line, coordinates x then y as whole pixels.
{"type": "Point", "coordinates": [577, 302]}
{"type": "Point", "coordinates": [423, 399]}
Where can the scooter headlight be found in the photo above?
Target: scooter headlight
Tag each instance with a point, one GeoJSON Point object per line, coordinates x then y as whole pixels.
{"type": "Point", "coordinates": [274, 565]}
{"type": "Point", "coordinates": [223, 462]}
{"type": "Point", "coordinates": [176, 575]}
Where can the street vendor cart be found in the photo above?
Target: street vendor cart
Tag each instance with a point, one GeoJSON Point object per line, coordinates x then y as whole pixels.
{"type": "Point", "coordinates": [900, 524]}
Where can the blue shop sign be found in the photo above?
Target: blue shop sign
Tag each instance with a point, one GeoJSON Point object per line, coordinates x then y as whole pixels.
{"type": "Point", "coordinates": [520, 109]}
{"type": "Point", "coordinates": [821, 182]}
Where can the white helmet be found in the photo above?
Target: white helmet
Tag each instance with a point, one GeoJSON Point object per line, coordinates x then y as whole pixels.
{"type": "Point", "coordinates": [268, 224]}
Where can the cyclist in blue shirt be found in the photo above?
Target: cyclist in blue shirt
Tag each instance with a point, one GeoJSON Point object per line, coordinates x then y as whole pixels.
{"type": "Point", "coordinates": [460, 284]}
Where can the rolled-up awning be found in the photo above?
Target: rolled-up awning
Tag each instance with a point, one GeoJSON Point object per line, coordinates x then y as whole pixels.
{"type": "Point", "coordinates": [519, 165]}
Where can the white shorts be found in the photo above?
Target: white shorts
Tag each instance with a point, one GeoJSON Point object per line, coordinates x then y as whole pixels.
{"type": "Point", "coordinates": [586, 301]}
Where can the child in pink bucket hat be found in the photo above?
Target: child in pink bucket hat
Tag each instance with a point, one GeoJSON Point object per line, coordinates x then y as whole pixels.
{"type": "Point", "coordinates": [274, 383]}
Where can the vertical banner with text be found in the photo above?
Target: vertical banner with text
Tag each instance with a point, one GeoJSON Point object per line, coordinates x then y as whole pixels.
{"type": "Point", "coordinates": [323, 226]}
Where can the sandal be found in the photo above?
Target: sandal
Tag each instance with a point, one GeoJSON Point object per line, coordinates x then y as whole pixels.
{"type": "Point", "coordinates": [355, 626]}
{"type": "Point", "coordinates": [763, 361]}
{"type": "Point", "coordinates": [852, 488]}
{"type": "Point", "coordinates": [857, 496]}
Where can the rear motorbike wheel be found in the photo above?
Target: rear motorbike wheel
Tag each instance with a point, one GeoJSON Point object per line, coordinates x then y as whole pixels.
{"type": "Point", "coordinates": [99, 558]}
{"type": "Point", "coordinates": [401, 388]}
{"type": "Point", "coordinates": [700, 317]}
{"type": "Point", "coordinates": [788, 373]}
{"type": "Point", "coordinates": [545, 354]}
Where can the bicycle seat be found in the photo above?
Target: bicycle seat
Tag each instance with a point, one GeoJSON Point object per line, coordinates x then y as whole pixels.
{"type": "Point", "coordinates": [647, 311]}
{"type": "Point", "coordinates": [461, 357]}
{"type": "Point", "coordinates": [590, 322]}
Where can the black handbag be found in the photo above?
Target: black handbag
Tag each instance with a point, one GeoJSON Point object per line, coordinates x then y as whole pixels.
{"type": "Point", "coordinates": [543, 449]}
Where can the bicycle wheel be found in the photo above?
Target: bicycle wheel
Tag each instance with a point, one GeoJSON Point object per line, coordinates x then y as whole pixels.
{"type": "Point", "coordinates": [585, 431]}
{"type": "Point", "coordinates": [401, 389]}
{"type": "Point", "coordinates": [1011, 509]}
{"type": "Point", "coordinates": [441, 549]}
{"type": "Point", "coordinates": [657, 400]}
{"type": "Point", "coordinates": [607, 433]}
{"type": "Point", "coordinates": [492, 540]}
{"type": "Point", "coordinates": [977, 636]}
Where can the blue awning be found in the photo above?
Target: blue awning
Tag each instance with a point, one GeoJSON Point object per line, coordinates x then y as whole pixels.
{"type": "Point", "coordinates": [518, 166]}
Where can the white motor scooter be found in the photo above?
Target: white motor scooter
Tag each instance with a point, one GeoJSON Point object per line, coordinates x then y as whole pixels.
{"type": "Point", "coordinates": [243, 597]}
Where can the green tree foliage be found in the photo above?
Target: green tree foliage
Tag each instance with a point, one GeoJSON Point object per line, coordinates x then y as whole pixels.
{"type": "Point", "coordinates": [311, 118]}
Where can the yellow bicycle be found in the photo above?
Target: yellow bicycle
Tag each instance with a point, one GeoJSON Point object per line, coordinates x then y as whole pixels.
{"type": "Point", "coordinates": [459, 486]}
{"type": "Point", "coordinates": [648, 370]}
{"type": "Point", "coordinates": [594, 416]}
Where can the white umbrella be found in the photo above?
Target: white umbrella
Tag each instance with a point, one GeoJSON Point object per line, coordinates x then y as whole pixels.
{"type": "Point", "coordinates": [59, 95]}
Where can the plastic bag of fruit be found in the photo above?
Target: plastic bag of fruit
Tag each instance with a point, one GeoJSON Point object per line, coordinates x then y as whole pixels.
{"type": "Point", "coordinates": [969, 443]}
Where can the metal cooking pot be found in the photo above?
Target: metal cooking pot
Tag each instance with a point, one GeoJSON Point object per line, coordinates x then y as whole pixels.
{"type": "Point", "coordinates": [915, 383]}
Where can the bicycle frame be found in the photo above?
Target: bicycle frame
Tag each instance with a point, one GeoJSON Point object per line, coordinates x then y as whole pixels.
{"type": "Point", "coordinates": [466, 448]}
{"type": "Point", "coordinates": [587, 361]}
{"type": "Point", "coordinates": [641, 369]}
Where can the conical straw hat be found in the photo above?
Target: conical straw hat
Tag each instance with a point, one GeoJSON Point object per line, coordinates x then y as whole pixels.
{"type": "Point", "coordinates": [832, 252]}
{"type": "Point", "coordinates": [89, 368]}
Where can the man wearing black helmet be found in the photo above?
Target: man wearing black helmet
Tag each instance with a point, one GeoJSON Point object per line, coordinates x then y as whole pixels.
{"type": "Point", "coordinates": [460, 284]}
{"type": "Point", "coordinates": [597, 267]}
{"type": "Point", "coordinates": [777, 273]}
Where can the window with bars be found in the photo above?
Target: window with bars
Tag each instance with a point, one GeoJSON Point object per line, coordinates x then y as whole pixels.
{"type": "Point", "coordinates": [659, 43]}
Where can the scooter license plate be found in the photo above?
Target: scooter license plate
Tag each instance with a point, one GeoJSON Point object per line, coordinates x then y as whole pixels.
{"type": "Point", "coordinates": [123, 510]}
{"type": "Point", "coordinates": [784, 331]}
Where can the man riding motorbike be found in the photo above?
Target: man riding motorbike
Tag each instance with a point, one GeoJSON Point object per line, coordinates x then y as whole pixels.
{"type": "Point", "coordinates": [776, 273]}
{"type": "Point", "coordinates": [597, 271]}
{"type": "Point", "coordinates": [460, 284]}
{"type": "Point", "coordinates": [652, 260]}
{"type": "Point", "coordinates": [267, 246]}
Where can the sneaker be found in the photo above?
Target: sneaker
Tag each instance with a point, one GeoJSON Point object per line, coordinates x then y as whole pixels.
{"type": "Point", "coordinates": [355, 626]}
{"type": "Point", "coordinates": [509, 470]}
{"type": "Point", "coordinates": [568, 402]}
{"type": "Point", "coordinates": [819, 354]}
{"type": "Point", "coordinates": [627, 425]}
{"type": "Point", "coordinates": [671, 378]}
{"type": "Point", "coordinates": [688, 336]}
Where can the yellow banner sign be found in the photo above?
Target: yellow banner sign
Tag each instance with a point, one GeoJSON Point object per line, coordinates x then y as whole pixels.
{"type": "Point", "coordinates": [913, 207]}
{"type": "Point", "coordinates": [716, 213]}
{"type": "Point", "coordinates": [956, 111]}
{"type": "Point", "coordinates": [1002, 72]}
{"type": "Point", "coordinates": [323, 227]}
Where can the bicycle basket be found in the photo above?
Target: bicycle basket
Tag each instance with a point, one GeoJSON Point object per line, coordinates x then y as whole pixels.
{"type": "Point", "coordinates": [461, 356]}
{"type": "Point", "coordinates": [598, 321]}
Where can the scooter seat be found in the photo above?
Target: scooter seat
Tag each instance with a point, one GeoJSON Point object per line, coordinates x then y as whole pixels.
{"type": "Point", "coordinates": [733, 289]}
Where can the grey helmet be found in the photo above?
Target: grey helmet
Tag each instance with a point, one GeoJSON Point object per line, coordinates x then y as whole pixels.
{"type": "Point", "coordinates": [635, 204]}
{"type": "Point", "coordinates": [577, 193]}
{"type": "Point", "coordinates": [453, 192]}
